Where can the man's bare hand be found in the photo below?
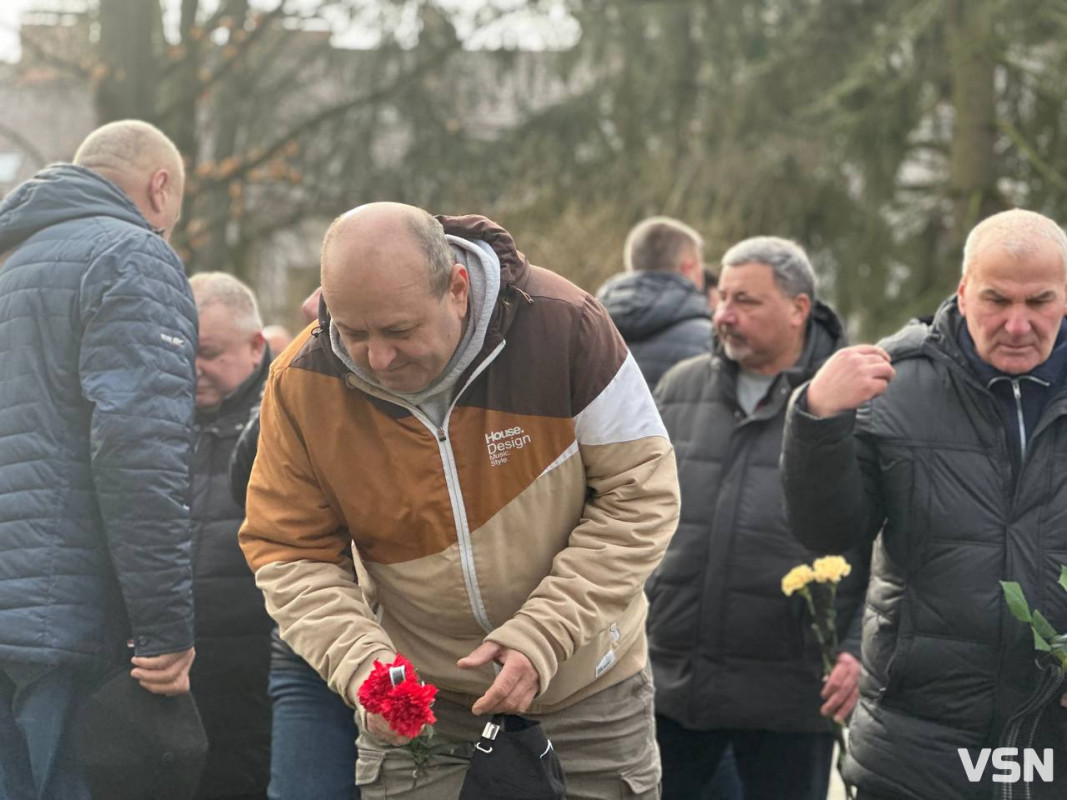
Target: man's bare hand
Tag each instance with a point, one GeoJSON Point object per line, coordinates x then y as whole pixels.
{"type": "Point", "coordinates": [514, 688]}
{"type": "Point", "coordinates": [850, 378]}
{"type": "Point", "coordinates": [842, 688]}
{"type": "Point", "coordinates": [166, 674]}
{"type": "Point", "coordinates": [378, 728]}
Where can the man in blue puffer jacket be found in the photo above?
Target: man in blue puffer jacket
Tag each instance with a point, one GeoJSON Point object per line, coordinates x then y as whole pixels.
{"type": "Point", "coordinates": [98, 335]}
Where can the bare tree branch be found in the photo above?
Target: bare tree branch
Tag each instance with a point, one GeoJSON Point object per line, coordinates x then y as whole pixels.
{"type": "Point", "coordinates": [25, 144]}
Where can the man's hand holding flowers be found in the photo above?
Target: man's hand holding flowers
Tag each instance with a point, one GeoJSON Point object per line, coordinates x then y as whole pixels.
{"type": "Point", "coordinates": [841, 690]}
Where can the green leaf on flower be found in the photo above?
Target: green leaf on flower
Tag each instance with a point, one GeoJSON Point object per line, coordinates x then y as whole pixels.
{"type": "Point", "coordinates": [1059, 647]}
{"type": "Point", "coordinates": [1040, 643]}
{"type": "Point", "coordinates": [1063, 577]}
{"type": "Point", "coordinates": [1043, 627]}
{"type": "Point", "coordinates": [1013, 594]}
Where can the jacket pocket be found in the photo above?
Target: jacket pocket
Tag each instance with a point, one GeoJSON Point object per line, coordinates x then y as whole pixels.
{"type": "Point", "coordinates": [642, 780]}
{"type": "Point", "coordinates": [368, 766]}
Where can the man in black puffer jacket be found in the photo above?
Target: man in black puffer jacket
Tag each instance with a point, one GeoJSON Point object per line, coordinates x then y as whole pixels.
{"type": "Point", "coordinates": [232, 626]}
{"type": "Point", "coordinates": [950, 440]}
{"type": "Point", "coordinates": [97, 339]}
{"type": "Point", "coordinates": [658, 304]}
{"type": "Point", "coordinates": [311, 724]}
{"type": "Point", "coordinates": [733, 658]}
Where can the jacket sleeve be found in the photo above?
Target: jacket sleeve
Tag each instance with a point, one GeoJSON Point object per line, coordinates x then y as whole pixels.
{"type": "Point", "coordinates": [853, 635]}
{"type": "Point", "coordinates": [300, 553]}
{"type": "Point", "coordinates": [630, 513]}
{"type": "Point", "coordinates": [829, 472]}
{"type": "Point", "coordinates": [137, 374]}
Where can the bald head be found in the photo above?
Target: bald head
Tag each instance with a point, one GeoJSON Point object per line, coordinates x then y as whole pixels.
{"type": "Point", "coordinates": [1018, 232]}
{"type": "Point", "coordinates": [378, 231]}
{"type": "Point", "coordinates": [143, 162]}
{"type": "Point", "coordinates": [128, 147]}
{"type": "Point", "coordinates": [381, 276]}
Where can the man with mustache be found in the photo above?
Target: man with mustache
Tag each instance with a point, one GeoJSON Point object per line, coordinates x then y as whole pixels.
{"type": "Point", "coordinates": [733, 659]}
{"type": "Point", "coordinates": [948, 440]}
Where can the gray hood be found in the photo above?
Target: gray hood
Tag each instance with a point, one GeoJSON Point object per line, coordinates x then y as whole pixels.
{"type": "Point", "coordinates": [642, 304]}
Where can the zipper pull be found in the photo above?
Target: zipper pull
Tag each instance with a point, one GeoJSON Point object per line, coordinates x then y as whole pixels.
{"type": "Point", "coordinates": [441, 435]}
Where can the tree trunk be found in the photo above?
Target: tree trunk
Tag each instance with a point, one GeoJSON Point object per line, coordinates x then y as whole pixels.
{"type": "Point", "coordinates": [131, 39]}
{"type": "Point", "coordinates": [970, 43]}
{"type": "Point", "coordinates": [219, 252]}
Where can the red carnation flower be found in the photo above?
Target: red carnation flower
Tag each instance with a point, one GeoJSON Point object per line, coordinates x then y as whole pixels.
{"type": "Point", "coordinates": [405, 706]}
{"type": "Point", "coordinates": [375, 689]}
{"type": "Point", "coordinates": [408, 708]}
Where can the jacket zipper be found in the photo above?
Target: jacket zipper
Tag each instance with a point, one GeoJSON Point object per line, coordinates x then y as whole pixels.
{"type": "Point", "coordinates": [1017, 393]}
{"type": "Point", "coordinates": [455, 493]}
{"type": "Point", "coordinates": [463, 533]}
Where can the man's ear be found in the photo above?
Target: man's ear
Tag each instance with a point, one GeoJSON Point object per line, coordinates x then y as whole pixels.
{"type": "Point", "coordinates": [801, 309]}
{"type": "Point", "coordinates": [259, 344]}
{"type": "Point", "coordinates": [158, 186]}
{"type": "Point", "coordinates": [692, 267]}
{"type": "Point", "coordinates": [459, 284]}
{"type": "Point", "coordinates": [961, 300]}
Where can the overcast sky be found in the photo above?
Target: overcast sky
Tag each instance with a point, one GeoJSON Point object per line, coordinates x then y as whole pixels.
{"type": "Point", "coordinates": [525, 30]}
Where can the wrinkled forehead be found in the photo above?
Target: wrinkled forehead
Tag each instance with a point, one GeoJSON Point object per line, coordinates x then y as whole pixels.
{"type": "Point", "coordinates": [997, 239]}
{"type": "Point", "coordinates": [1032, 267]}
{"type": "Point", "coordinates": [752, 277]}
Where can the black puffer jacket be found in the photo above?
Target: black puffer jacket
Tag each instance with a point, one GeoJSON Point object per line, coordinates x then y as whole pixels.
{"type": "Point", "coordinates": [728, 649]}
{"type": "Point", "coordinates": [229, 676]}
{"type": "Point", "coordinates": [282, 656]}
{"type": "Point", "coordinates": [945, 665]}
{"type": "Point", "coordinates": [97, 342]}
{"type": "Point", "coordinates": [663, 317]}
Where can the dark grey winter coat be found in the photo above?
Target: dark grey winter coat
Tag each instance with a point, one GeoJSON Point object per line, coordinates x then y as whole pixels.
{"type": "Point", "coordinates": [663, 317]}
{"type": "Point", "coordinates": [98, 336]}
{"type": "Point", "coordinates": [928, 464]}
{"type": "Point", "coordinates": [728, 649]}
{"type": "Point", "coordinates": [233, 628]}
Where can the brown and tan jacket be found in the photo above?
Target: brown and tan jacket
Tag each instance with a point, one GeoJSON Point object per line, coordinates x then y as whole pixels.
{"type": "Point", "coordinates": [530, 518]}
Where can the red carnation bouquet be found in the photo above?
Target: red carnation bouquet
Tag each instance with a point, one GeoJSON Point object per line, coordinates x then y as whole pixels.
{"type": "Point", "coordinates": [395, 693]}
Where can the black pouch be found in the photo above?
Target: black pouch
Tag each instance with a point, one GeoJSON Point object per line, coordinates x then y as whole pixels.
{"type": "Point", "coordinates": [514, 760]}
{"type": "Point", "coordinates": [135, 745]}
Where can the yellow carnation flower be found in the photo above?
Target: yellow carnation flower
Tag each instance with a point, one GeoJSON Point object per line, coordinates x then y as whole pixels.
{"type": "Point", "coordinates": [797, 578]}
{"type": "Point", "coordinates": [831, 569]}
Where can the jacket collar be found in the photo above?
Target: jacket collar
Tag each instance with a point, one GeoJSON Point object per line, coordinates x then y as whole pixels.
{"type": "Point", "coordinates": [949, 336]}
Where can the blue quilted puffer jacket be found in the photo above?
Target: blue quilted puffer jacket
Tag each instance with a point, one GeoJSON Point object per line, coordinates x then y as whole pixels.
{"type": "Point", "coordinates": [98, 336]}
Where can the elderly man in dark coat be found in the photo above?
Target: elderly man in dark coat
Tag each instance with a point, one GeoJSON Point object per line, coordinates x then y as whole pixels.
{"type": "Point", "coordinates": [734, 660]}
{"type": "Point", "coordinates": [232, 626]}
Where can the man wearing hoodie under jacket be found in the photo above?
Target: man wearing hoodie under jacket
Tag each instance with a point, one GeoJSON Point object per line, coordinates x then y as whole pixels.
{"type": "Point", "coordinates": [658, 304]}
{"type": "Point", "coordinates": [97, 341]}
{"type": "Point", "coordinates": [477, 428]}
{"type": "Point", "coordinates": [950, 439]}
{"type": "Point", "coordinates": [733, 659]}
